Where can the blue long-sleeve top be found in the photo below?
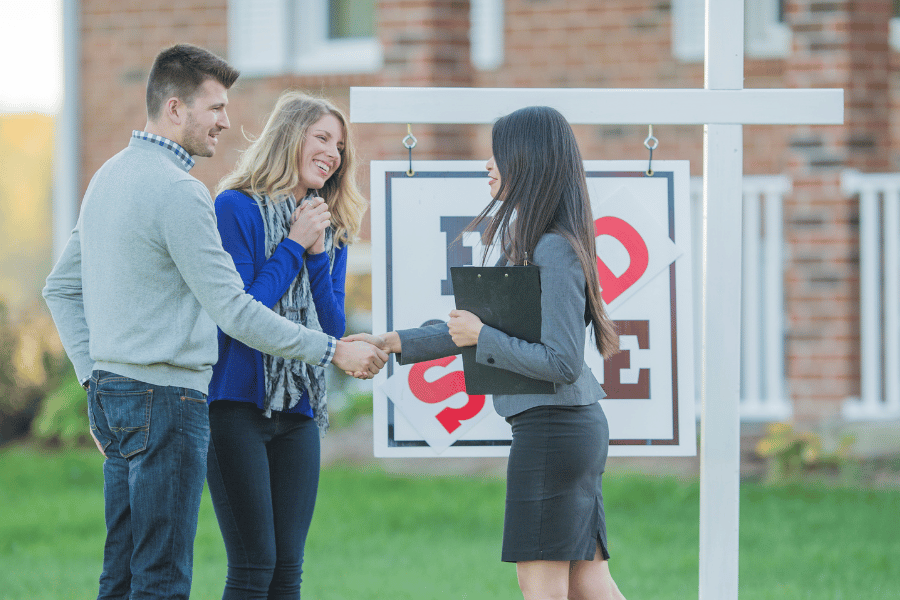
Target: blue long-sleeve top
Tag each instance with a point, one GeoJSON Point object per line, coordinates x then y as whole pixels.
{"type": "Point", "coordinates": [238, 375]}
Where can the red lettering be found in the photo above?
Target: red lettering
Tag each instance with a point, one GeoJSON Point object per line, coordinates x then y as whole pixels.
{"type": "Point", "coordinates": [639, 257]}
{"type": "Point", "coordinates": [432, 392]}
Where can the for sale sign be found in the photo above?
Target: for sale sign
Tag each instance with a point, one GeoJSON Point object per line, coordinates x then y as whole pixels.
{"type": "Point", "coordinates": [642, 227]}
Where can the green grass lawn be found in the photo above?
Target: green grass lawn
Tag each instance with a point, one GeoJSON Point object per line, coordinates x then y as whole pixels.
{"type": "Point", "coordinates": [382, 536]}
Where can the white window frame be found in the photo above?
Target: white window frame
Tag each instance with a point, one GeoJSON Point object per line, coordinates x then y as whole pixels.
{"type": "Point", "coordinates": [255, 46]}
{"type": "Point", "coordinates": [895, 34]}
{"type": "Point", "coordinates": [687, 30]}
{"type": "Point", "coordinates": [486, 34]}
{"type": "Point", "coordinates": [318, 53]}
{"type": "Point", "coordinates": [765, 36]}
{"type": "Point", "coordinates": [271, 37]}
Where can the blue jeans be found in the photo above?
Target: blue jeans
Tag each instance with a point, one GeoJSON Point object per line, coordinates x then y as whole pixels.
{"type": "Point", "coordinates": [155, 439]}
{"type": "Point", "coordinates": [263, 477]}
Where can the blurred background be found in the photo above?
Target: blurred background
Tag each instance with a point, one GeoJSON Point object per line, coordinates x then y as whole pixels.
{"type": "Point", "coordinates": [820, 375]}
{"type": "Point", "coordinates": [821, 317]}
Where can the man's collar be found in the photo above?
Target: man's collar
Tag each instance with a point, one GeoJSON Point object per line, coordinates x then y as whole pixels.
{"type": "Point", "coordinates": [159, 140]}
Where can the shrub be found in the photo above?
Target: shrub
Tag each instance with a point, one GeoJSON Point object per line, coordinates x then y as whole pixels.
{"type": "Point", "coordinates": [32, 363]}
{"type": "Point", "coordinates": [791, 454]}
{"type": "Point", "coordinates": [63, 415]}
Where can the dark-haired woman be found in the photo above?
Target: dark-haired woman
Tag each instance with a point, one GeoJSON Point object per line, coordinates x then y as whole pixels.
{"type": "Point", "coordinates": [554, 526]}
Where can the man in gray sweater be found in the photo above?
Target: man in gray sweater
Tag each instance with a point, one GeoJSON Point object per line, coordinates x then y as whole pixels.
{"type": "Point", "coordinates": [136, 296]}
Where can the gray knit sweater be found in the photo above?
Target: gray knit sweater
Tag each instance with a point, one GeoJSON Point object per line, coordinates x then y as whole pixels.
{"type": "Point", "coordinates": [143, 281]}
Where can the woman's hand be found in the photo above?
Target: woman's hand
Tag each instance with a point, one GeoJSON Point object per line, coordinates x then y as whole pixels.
{"type": "Point", "coordinates": [464, 328]}
{"type": "Point", "coordinates": [376, 340]}
{"type": "Point", "coordinates": [308, 224]}
{"type": "Point", "coordinates": [318, 246]}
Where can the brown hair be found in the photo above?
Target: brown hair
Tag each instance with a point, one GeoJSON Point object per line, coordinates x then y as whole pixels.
{"type": "Point", "coordinates": [179, 71]}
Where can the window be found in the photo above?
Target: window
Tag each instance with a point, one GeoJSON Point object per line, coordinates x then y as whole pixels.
{"type": "Point", "coordinates": [351, 19]}
{"type": "Point", "coordinates": [486, 33]}
{"type": "Point", "coordinates": [765, 33]}
{"type": "Point", "coordinates": [895, 27]}
{"type": "Point", "coordinates": [267, 37]}
{"type": "Point", "coordinates": [336, 36]}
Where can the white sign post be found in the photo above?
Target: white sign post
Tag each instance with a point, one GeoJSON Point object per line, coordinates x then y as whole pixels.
{"type": "Point", "coordinates": [722, 107]}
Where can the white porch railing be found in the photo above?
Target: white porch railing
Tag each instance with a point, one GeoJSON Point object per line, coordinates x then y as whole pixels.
{"type": "Point", "coordinates": [879, 258]}
{"type": "Point", "coordinates": [763, 387]}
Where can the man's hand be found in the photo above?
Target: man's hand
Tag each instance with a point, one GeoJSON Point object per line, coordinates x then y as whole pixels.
{"type": "Point", "coordinates": [359, 357]}
{"type": "Point", "coordinates": [97, 442]}
{"type": "Point", "coordinates": [91, 431]}
{"type": "Point", "coordinates": [388, 342]}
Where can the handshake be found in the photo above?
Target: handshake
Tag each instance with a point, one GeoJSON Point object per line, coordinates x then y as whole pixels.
{"type": "Point", "coordinates": [363, 355]}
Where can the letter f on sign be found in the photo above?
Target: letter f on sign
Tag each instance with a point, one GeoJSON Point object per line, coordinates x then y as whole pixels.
{"type": "Point", "coordinates": [638, 257]}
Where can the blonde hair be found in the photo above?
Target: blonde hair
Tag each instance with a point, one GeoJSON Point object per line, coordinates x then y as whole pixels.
{"type": "Point", "coordinates": [270, 165]}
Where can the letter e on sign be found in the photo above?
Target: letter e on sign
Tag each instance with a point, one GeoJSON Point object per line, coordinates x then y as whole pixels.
{"type": "Point", "coordinates": [612, 382]}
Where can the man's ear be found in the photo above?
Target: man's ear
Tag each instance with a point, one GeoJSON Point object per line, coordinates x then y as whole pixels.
{"type": "Point", "coordinates": [174, 110]}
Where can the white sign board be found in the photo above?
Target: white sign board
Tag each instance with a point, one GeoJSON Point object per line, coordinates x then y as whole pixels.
{"type": "Point", "coordinates": [643, 246]}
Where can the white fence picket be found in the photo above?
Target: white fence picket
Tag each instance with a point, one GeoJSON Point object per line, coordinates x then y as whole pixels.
{"type": "Point", "coordinates": [879, 257]}
{"type": "Point", "coordinates": [763, 386]}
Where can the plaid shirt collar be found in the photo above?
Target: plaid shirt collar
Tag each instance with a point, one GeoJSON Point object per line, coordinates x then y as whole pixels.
{"type": "Point", "coordinates": [180, 152]}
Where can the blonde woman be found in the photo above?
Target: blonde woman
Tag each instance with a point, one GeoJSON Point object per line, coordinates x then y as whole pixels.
{"type": "Point", "coordinates": [286, 214]}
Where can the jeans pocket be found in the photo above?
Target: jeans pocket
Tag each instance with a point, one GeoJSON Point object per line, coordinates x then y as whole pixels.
{"type": "Point", "coordinates": [93, 409]}
{"type": "Point", "coordinates": [193, 395]}
{"type": "Point", "coordinates": [128, 415]}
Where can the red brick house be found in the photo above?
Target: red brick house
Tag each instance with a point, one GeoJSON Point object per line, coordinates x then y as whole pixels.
{"type": "Point", "coordinates": [327, 46]}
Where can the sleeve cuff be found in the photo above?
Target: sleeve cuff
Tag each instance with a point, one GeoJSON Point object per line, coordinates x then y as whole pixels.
{"type": "Point", "coordinates": [329, 352]}
{"type": "Point", "coordinates": [294, 247]}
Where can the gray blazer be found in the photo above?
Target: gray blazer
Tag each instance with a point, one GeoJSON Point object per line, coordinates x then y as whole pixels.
{"type": "Point", "coordinates": [559, 357]}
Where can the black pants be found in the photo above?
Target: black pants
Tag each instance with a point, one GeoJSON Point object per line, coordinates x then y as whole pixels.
{"type": "Point", "coordinates": [263, 477]}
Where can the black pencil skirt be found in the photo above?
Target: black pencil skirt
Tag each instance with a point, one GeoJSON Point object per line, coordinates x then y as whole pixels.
{"type": "Point", "coordinates": [554, 506]}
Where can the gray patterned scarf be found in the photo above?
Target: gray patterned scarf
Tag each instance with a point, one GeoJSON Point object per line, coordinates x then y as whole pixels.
{"type": "Point", "coordinates": [287, 378]}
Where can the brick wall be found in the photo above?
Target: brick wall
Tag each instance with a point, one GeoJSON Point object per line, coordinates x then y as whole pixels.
{"type": "Point", "coordinates": [119, 41]}
{"type": "Point", "coordinates": [576, 43]}
{"type": "Point", "coordinates": [845, 45]}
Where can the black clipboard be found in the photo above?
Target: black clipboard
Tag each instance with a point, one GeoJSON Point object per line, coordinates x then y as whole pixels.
{"type": "Point", "coordinates": [507, 299]}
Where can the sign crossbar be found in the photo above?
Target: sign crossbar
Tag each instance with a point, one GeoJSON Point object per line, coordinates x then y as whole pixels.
{"type": "Point", "coordinates": [594, 106]}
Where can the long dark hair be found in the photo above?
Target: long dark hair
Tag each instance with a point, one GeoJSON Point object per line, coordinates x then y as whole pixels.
{"type": "Point", "coordinates": [543, 190]}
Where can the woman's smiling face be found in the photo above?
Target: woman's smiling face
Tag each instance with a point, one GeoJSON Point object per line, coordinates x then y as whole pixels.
{"type": "Point", "coordinates": [320, 156]}
{"type": "Point", "coordinates": [493, 176]}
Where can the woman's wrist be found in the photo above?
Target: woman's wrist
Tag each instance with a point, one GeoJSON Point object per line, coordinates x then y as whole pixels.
{"type": "Point", "coordinates": [392, 342]}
